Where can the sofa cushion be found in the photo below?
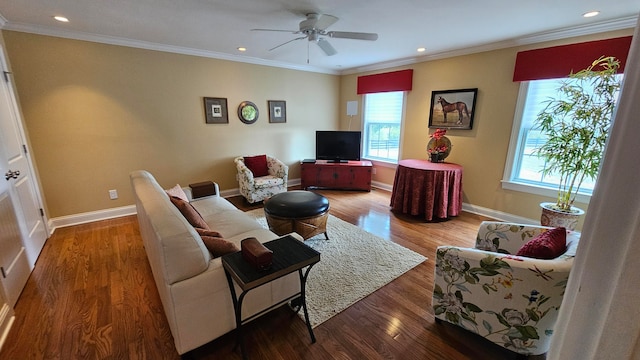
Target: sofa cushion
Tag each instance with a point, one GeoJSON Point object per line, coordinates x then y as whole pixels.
{"type": "Point", "coordinates": [190, 213]}
{"type": "Point", "coordinates": [548, 245]}
{"type": "Point", "coordinates": [257, 165]}
{"type": "Point", "coordinates": [218, 246]}
{"type": "Point", "coordinates": [177, 192]}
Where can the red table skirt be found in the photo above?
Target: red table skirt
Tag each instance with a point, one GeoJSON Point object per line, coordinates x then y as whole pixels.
{"type": "Point", "coordinates": [432, 190]}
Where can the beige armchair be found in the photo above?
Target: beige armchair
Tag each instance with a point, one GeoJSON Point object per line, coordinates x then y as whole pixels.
{"type": "Point", "coordinates": [510, 300]}
{"type": "Point", "coordinates": [259, 188]}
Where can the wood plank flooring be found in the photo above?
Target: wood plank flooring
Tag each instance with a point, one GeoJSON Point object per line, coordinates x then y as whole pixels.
{"type": "Point", "coordinates": [92, 296]}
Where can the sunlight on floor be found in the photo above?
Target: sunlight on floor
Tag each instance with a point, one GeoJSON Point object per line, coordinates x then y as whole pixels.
{"type": "Point", "coordinates": [376, 223]}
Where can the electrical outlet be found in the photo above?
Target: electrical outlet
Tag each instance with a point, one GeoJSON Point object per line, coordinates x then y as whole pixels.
{"type": "Point", "coordinates": [113, 194]}
{"type": "Point", "coordinates": [373, 171]}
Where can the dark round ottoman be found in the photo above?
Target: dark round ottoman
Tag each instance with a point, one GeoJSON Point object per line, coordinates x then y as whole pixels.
{"type": "Point", "coordinates": [303, 212]}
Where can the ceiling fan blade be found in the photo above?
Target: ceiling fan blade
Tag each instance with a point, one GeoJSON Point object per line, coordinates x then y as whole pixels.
{"type": "Point", "coordinates": [352, 35]}
{"type": "Point", "coordinates": [285, 43]}
{"type": "Point", "coordinates": [288, 31]}
{"type": "Point", "coordinates": [317, 21]}
{"type": "Point", "coordinates": [326, 47]}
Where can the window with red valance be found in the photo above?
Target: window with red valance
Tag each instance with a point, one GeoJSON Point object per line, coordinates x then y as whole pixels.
{"type": "Point", "coordinates": [559, 61]}
{"type": "Point", "coordinates": [401, 80]}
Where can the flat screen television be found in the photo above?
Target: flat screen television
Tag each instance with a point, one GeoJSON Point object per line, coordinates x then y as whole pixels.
{"type": "Point", "coordinates": [338, 146]}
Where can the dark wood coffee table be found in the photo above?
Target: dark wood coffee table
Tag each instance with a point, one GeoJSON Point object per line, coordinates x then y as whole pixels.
{"type": "Point", "coordinates": [289, 255]}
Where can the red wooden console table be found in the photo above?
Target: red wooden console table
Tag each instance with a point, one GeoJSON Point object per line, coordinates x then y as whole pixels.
{"type": "Point", "coordinates": [353, 175]}
{"type": "Point", "coordinates": [432, 190]}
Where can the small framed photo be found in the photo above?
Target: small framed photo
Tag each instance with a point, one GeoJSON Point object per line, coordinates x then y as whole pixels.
{"type": "Point", "coordinates": [277, 111]}
{"type": "Point", "coordinates": [453, 109]}
{"type": "Point", "coordinates": [215, 110]}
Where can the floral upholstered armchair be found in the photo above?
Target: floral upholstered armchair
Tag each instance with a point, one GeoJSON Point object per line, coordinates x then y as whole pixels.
{"type": "Point", "coordinates": [267, 177]}
{"type": "Point", "coordinates": [510, 300]}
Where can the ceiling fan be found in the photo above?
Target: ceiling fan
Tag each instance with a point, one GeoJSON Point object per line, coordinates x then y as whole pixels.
{"type": "Point", "coordinates": [314, 28]}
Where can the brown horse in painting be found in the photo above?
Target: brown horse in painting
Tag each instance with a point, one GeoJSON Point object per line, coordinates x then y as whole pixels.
{"type": "Point", "coordinates": [450, 107]}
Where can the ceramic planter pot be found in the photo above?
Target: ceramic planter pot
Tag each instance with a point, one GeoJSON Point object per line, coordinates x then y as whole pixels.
{"type": "Point", "coordinates": [555, 218]}
{"type": "Point", "coordinates": [436, 157]}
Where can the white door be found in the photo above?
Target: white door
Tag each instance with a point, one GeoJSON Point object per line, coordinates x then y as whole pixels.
{"type": "Point", "coordinates": [14, 265]}
{"type": "Point", "coordinates": [21, 209]}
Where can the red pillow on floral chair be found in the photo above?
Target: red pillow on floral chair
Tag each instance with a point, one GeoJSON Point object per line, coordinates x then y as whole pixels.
{"type": "Point", "coordinates": [257, 165]}
{"type": "Point", "coordinates": [548, 245]}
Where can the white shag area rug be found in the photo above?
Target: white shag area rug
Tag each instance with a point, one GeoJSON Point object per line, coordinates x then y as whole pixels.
{"type": "Point", "coordinates": [353, 264]}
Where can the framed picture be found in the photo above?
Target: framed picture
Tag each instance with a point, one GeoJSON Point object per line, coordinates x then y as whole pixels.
{"type": "Point", "coordinates": [277, 111]}
{"type": "Point", "coordinates": [215, 110]}
{"type": "Point", "coordinates": [453, 109]}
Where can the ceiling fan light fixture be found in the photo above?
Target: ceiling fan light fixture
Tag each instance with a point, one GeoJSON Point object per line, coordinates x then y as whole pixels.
{"type": "Point", "coordinates": [61, 18]}
{"type": "Point", "coordinates": [591, 14]}
{"type": "Point", "coordinates": [421, 49]}
{"type": "Point", "coordinates": [314, 30]}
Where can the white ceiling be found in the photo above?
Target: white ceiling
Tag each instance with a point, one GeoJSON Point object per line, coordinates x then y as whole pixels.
{"type": "Point", "coordinates": [216, 28]}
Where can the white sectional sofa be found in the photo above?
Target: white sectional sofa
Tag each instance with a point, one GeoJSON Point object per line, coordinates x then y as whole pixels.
{"type": "Point", "coordinates": [192, 285]}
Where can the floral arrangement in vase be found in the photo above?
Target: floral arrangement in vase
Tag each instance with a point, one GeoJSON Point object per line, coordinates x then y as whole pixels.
{"type": "Point", "coordinates": [439, 146]}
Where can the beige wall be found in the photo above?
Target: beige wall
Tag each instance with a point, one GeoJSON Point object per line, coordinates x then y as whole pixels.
{"type": "Point", "coordinates": [481, 151]}
{"type": "Point", "coordinates": [95, 112]}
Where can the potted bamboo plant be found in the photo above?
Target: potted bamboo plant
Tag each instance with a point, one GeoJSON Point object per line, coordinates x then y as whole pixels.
{"type": "Point", "coordinates": [576, 125]}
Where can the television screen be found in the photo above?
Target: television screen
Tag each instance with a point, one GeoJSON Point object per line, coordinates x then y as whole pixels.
{"type": "Point", "coordinates": [338, 146]}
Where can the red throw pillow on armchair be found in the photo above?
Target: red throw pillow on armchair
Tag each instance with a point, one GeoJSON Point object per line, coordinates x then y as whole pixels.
{"type": "Point", "coordinates": [548, 245]}
{"type": "Point", "coordinates": [257, 165]}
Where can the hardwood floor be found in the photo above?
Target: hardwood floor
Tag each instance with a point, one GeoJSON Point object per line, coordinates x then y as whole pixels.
{"type": "Point", "coordinates": [92, 296]}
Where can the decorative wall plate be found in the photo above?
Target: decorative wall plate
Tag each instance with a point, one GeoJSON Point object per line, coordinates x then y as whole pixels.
{"type": "Point", "coordinates": [248, 112]}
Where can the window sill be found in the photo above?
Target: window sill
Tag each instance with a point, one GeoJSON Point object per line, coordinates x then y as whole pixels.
{"type": "Point", "coordinates": [540, 190]}
{"type": "Point", "coordinates": [377, 162]}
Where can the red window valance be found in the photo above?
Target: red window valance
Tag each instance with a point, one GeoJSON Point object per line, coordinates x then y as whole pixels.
{"type": "Point", "coordinates": [559, 61]}
{"type": "Point", "coordinates": [391, 81]}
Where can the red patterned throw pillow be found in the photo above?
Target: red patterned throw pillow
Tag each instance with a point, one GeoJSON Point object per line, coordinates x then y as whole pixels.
{"type": "Point", "coordinates": [257, 165]}
{"type": "Point", "coordinates": [205, 232]}
{"type": "Point", "coordinates": [190, 213]}
{"type": "Point", "coordinates": [548, 245]}
{"type": "Point", "coordinates": [218, 246]}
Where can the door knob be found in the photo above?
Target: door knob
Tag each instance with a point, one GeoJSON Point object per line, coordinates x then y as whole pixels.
{"type": "Point", "coordinates": [12, 174]}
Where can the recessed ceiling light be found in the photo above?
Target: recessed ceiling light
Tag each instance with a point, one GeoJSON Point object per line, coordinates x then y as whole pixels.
{"type": "Point", "coordinates": [61, 18]}
{"type": "Point", "coordinates": [421, 49]}
{"type": "Point", "coordinates": [243, 49]}
{"type": "Point", "coordinates": [590, 14]}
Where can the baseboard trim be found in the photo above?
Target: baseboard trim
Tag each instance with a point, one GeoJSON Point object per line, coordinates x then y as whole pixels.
{"type": "Point", "coordinates": [382, 186]}
{"type": "Point", "coordinates": [82, 218]}
{"type": "Point", "coordinates": [498, 215]}
{"type": "Point", "coordinates": [92, 216]}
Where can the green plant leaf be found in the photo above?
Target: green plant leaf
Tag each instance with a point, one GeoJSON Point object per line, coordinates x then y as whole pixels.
{"type": "Point", "coordinates": [576, 125]}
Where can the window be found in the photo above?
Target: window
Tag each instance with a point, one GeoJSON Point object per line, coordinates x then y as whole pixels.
{"type": "Point", "coordinates": [383, 114]}
{"type": "Point", "coordinates": [523, 169]}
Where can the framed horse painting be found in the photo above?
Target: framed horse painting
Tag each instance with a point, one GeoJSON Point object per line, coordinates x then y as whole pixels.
{"type": "Point", "coordinates": [453, 109]}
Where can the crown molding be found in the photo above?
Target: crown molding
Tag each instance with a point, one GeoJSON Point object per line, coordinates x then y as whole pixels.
{"type": "Point", "coordinates": [559, 34]}
{"type": "Point", "coordinates": [565, 33]}
{"type": "Point", "coordinates": [112, 40]}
